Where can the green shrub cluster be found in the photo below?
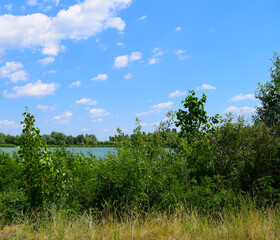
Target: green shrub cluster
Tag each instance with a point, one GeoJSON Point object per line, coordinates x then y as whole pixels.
{"type": "Point", "coordinates": [210, 165]}
{"type": "Point", "coordinates": [160, 171]}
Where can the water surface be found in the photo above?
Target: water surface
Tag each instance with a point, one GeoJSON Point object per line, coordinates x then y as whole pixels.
{"type": "Point", "coordinates": [96, 151]}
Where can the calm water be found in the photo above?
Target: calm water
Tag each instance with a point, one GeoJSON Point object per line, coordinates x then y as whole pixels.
{"type": "Point", "coordinates": [97, 151]}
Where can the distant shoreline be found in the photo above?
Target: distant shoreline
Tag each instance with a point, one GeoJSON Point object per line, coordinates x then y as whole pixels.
{"type": "Point", "coordinates": [68, 146]}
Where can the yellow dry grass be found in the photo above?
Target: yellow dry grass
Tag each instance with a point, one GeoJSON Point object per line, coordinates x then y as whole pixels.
{"type": "Point", "coordinates": [246, 224]}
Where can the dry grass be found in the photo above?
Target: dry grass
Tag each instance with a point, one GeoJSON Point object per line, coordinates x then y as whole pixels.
{"type": "Point", "coordinates": [246, 224]}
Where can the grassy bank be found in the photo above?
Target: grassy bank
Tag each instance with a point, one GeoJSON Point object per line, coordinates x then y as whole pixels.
{"type": "Point", "coordinates": [248, 223]}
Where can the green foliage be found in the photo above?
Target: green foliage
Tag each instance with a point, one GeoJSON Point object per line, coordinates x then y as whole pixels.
{"type": "Point", "coordinates": [211, 165]}
{"type": "Point", "coordinates": [269, 95]}
{"type": "Point", "coordinates": [31, 151]}
{"type": "Point", "coordinates": [194, 119]}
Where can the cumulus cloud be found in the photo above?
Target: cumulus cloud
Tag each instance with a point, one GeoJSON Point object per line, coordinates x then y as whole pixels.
{"type": "Point", "coordinates": [47, 60]}
{"type": "Point", "coordinates": [156, 108]}
{"type": "Point", "coordinates": [241, 97]}
{"type": "Point", "coordinates": [205, 87]}
{"type": "Point", "coordinates": [13, 71]}
{"type": "Point", "coordinates": [79, 21]}
{"type": "Point", "coordinates": [37, 89]}
{"type": "Point", "coordinates": [161, 106]}
{"type": "Point", "coordinates": [177, 94]}
{"type": "Point", "coordinates": [8, 124]}
{"type": "Point", "coordinates": [63, 118]}
{"type": "Point", "coordinates": [75, 84]}
{"type": "Point", "coordinates": [156, 54]}
{"type": "Point", "coordinates": [100, 77]}
{"type": "Point", "coordinates": [98, 112]}
{"type": "Point", "coordinates": [124, 60]}
{"type": "Point", "coordinates": [135, 56]}
{"type": "Point", "coordinates": [241, 110]}
{"type": "Point", "coordinates": [121, 61]}
{"type": "Point", "coordinates": [45, 108]}
{"type": "Point", "coordinates": [87, 101]}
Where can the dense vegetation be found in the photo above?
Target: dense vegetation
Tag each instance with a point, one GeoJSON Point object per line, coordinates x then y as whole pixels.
{"type": "Point", "coordinates": [58, 139]}
{"type": "Point", "coordinates": [211, 165]}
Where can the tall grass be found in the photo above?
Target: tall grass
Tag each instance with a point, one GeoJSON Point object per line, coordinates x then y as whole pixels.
{"type": "Point", "coordinates": [247, 223]}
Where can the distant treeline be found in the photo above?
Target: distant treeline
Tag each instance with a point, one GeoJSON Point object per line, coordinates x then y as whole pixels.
{"type": "Point", "coordinates": [58, 139]}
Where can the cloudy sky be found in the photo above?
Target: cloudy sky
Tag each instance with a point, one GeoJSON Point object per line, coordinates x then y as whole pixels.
{"type": "Point", "coordinates": [91, 66]}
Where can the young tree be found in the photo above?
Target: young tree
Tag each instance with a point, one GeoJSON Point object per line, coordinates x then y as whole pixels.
{"type": "Point", "coordinates": [194, 120]}
{"type": "Point", "coordinates": [31, 151]}
{"type": "Point", "coordinates": [269, 95]}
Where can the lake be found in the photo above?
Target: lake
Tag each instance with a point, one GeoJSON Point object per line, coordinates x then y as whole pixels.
{"type": "Point", "coordinates": [96, 151]}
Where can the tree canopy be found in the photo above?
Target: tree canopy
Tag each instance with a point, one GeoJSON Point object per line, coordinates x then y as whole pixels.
{"type": "Point", "coordinates": [269, 95]}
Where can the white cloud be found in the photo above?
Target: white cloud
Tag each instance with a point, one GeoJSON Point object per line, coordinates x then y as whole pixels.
{"type": "Point", "coordinates": [87, 101]}
{"type": "Point", "coordinates": [205, 87]}
{"type": "Point", "coordinates": [144, 113]}
{"type": "Point", "coordinates": [241, 97]}
{"type": "Point", "coordinates": [162, 106]}
{"type": "Point", "coordinates": [181, 54]}
{"type": "Point", "coordinates": [8, 124]}
{"type": "Point", "coordinates": [80, 21]}
{"type": "Point", "coordinates": [19, 75]}
{"type": "Point", "coordinates": [45, 108]}
{"type": "Point", "coordinates": [120, 44]}
{"type": "Point", "coordinates": [46, 61]}
{"type": "Point", "coordinates": [37, 89]}
{"type": "Point", "coordinates": [98, 112]}
{"type": "Point", "coordinates": [178, 29]}
{"type": "Point", "coordinates": [156, 108]}
{"type": "Point", "coordinates": [241, 110]}
{"type": "Point", "coordinates": [135, 56]}
{"type": "Point", "coordinates": [97, 120]}
{"type": "Point", "coordinates": [85, 130]}
{"type": "Point", "coordinates": [177, 94]}
{"type": "Point", "coordinates": [100, 77]}
{"type": "Point", "coordinates": [123, 61]}
{"type": "Point", "coordinates": [128, 76]}
{"type": "Point", "coordinates": [75, 84]}
{"type": "Point", "coordinates": [63, 118]}
{"type": "Point", "coordinates": [156, 53]}
{"type": "Point", "coordinates": [13, 71]}
{"type": "Point", "coordinates": [143, 18]}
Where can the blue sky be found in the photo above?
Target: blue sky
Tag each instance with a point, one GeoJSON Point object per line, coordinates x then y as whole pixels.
{"type": "Point", "coordinates": [91, 66]}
